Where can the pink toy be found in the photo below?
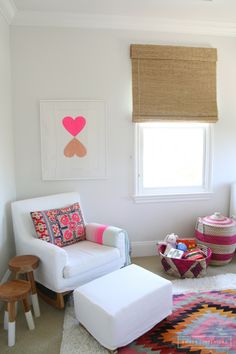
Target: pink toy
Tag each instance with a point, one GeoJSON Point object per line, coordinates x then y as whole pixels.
{"type": "Point", "coordinates": [170, 241]}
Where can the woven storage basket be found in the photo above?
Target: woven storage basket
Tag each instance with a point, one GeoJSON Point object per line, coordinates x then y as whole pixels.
{"type": "Point", "coordinates": [219, 233]}
{"type": "Point", "coordinates": [185, 268]}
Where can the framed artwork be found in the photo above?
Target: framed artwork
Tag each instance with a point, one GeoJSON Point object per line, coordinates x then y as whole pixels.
{"type": "Point", "coordinates": [73, 139]}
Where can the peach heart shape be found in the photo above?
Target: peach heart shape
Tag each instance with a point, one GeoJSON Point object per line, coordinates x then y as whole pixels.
{"type": "Point", "coordinates": [75, 147]}
{"type": "Point", "coordinates": [74, 125]}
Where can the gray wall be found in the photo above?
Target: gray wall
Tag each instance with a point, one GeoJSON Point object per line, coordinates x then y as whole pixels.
{"type": "Point", "coordinates": [57, 63]}
{"type": "Point", "coordinates": [7, 175]}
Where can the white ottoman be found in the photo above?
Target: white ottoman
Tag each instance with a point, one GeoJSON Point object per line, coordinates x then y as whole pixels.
{"type": "Point", "coordinates": [121, 306]}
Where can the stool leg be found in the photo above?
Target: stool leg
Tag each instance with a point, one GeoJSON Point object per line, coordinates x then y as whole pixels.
{"type": "Point", "coordinates": [34, 296]}
{"type": "Point", "coordinates": [14, 274]}
{"type": "Point", "coordinates": [6, 319]}
{"type": "Point", "coordinates": [11, 323]}
{"type": "Point", "coordinates": [28, 313]}
{"type": "Point", "coordinates": [35, 303]}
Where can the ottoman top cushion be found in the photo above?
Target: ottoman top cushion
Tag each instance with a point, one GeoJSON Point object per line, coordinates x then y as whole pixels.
{"type": "Point", "coordinates": [117, 290]}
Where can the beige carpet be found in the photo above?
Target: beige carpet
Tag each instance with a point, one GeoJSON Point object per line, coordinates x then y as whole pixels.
{"type": "Point", "coordinates": [77, 340]}
{"type": "Point", "coordinates": [47, 336]}
{"type": "Point", "coordinates": [44, 339]}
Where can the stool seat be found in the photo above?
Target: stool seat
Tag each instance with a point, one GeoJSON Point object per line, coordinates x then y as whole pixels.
{"type": "Point", "coordinates": [14, 290]}
{"type": "Point", "coordinates": [11, 292]}
{"type": "Point", "coordinates": [23, 264]}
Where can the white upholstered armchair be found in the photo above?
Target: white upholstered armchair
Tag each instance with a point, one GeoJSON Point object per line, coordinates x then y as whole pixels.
{"type": "Point", "coordinates": [63, 269]}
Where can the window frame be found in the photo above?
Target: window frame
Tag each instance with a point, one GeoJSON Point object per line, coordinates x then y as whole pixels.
{"type": "Point", "coordinates": [172, 193]}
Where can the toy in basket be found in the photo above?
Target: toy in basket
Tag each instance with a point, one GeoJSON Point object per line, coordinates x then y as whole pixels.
{"type": "Point", "coordinates": [185, 259]}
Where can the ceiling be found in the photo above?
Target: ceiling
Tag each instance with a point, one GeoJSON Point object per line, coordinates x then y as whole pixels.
{"type": "Point", "coordinates": [199, 10]}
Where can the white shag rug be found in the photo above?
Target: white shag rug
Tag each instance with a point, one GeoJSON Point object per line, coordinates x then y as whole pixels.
{"type": "Point", "coordinates": [76, 339]}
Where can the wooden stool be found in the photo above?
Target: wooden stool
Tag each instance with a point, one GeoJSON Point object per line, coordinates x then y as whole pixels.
{"type": "Point", "coordinates": [11, 292]}
{"type": "Point", "coordinates": [25, 265]}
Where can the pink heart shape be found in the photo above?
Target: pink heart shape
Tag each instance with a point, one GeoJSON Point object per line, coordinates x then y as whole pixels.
{"type": "Point", "coordinates": [74, 125]}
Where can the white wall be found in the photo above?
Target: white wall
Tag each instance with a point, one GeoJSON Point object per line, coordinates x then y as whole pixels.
{"type": "Point", "coordinates": [7, 180]}
{"type": "Point", "coordinates": [53, 63]}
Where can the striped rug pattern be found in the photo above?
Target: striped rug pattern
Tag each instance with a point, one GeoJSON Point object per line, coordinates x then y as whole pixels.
{"type": "Point", "coordinates": [201, 323]}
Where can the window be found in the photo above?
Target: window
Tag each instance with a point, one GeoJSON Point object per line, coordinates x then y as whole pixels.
{"type": "Point", "coordinates": [173, 160]}
{"type": "Point", "coordinates": [173, 83]}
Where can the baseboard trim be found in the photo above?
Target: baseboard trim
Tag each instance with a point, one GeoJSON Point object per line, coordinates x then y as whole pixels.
{"type": "Point", "coordinates": [143, 248]}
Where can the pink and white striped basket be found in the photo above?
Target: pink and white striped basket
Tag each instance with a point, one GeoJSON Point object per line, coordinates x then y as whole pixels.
{"type": "Point", "coordinates": [219, 233]}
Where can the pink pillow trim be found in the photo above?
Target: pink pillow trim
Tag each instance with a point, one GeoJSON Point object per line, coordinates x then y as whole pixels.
{"type": "Point", "coordinates": [99, 233]}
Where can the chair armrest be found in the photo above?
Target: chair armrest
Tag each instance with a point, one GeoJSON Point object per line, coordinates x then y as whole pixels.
{"type": "Point", "coordinates": [52, 261]}
{"type": "Point", "coordinates": [110, 236]}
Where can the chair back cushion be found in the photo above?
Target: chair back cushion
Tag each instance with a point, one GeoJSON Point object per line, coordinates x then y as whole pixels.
{"type": "Point", "coordinates": [62, 227]}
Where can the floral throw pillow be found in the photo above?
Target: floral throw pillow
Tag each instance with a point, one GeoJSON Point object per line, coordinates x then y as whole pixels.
{"type": "Point", "coordinates": [62, 227]}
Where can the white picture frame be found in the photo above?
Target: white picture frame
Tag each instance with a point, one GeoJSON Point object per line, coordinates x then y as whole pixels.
{"type": "Point", "coordinates": [73, 139]}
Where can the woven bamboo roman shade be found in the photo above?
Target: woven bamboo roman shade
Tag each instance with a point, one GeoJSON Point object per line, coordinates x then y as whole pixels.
{"type": "Point", "coordinates": [173, 83]}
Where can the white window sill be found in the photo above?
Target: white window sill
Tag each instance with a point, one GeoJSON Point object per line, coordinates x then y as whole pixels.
{"type": "Point", "coordinates": [172, 197]}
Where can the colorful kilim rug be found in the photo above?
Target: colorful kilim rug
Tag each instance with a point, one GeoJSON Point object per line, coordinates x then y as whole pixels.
{"type": "Point", "coordinates": [201, 323]}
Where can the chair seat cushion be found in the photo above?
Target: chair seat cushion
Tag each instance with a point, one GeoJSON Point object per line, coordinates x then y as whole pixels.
{"type": "Point", "coordinates": [85, 256]}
